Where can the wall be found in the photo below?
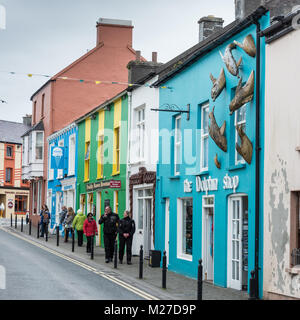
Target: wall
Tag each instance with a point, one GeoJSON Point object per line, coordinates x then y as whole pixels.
{"type": "Point", "coordinates": [282, 173]}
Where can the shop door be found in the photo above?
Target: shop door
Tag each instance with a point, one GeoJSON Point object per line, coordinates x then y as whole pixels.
{"type": "Point", "coordinates": [98, 215]}
{"type": "Point", "coordinates": [167, 231]}
{"type": "Point", "coordinates": [237, 242]}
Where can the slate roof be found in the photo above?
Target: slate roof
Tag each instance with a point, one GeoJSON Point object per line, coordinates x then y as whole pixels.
{"type": "Point", "coordinates": [37, 127]}
{"type": "Point", "coordinates": [11, 132]}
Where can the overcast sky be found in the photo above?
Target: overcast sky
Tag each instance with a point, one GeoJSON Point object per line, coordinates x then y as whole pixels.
{"type": "Point", "coordinates": [43, 36]}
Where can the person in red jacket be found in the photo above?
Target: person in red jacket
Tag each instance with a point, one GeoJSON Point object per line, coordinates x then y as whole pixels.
{"type": "Point", "coordinates": [90, 230]}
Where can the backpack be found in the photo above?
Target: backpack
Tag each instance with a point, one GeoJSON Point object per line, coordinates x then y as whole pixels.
{"type": "Point", "coordinates": [45, 217]}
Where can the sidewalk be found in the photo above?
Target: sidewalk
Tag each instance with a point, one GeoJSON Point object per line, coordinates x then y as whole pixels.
{"type": "Point", "coordinates": [179, 287]}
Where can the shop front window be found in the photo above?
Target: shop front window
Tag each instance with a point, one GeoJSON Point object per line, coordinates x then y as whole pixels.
{"type": "Point", "coordinates": [20, 203]}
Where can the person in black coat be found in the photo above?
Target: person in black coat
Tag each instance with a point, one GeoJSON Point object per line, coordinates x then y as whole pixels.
{"type": "Point", "coordinates": [126, 231]}
{"type": "Point", "coordinates": [110, 221]}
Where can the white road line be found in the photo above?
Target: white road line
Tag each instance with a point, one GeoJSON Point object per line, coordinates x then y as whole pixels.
{"type": "Point", "coordinates": [89, 268]}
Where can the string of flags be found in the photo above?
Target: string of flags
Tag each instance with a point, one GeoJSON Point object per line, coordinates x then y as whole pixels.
{"type": "Point", "coordinates": [96, 82]}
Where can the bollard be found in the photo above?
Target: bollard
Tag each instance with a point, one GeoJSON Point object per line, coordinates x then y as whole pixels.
{"type": "Point", "coordinates": [11, 223]}
{"type": "Point", "coordinates": [252, 284]}
{"type": "Point", "coordinates": [164, 271]}
{"type": "Point", "coordinates": [22, 224]}
{"type": "Point", "coordinates": [141, 263]}
{"type": "Point", "coordinates": [73, 239]}
{"type": "Point", "coordinates": [46, 231]}
{"type": "Point", "coordinates": [16, 221]}
{"type": "Point", "coordinates": [30, 227]}
{"type": "Point", "coordinates": [57, 236]}
{"type": "Point", "coordinates": [116, 255]}
{"type": "Point", "coordinates": [38, 230]}
{"type": "Point", "coordinates": [92, 247]}
{"type": "Point", "coordinates": [200, 272]}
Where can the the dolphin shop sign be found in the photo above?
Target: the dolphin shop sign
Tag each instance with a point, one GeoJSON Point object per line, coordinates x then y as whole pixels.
{"type": "Point", "coordinates": [57, 158]}
{"type": "Point", "coordinates": [206, 185]}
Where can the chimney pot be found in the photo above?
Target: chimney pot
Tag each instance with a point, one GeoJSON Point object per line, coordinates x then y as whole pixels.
{"type": "Point", "coordinates": [138, 55]}
{"type": "Point", "coordinates": [154, 56]}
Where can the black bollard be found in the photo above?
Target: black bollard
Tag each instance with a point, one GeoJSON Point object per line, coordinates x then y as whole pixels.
{"type": "Point", "coordinates": [141, 263]}
{"type": "Point", "coordinates": [73, 239]}
{"type": "Point", "coordinates": [30, 227]}
{"type": "Point", "coordinates": [164, 271]}
{"type": "Point", "coordinates": [200, 272]}
{"type": "Point", "coordinates": [38, 230]}
{"type": "Point", "coordinates": [92, 247]}
{"type": "Point", "coordinates": [46, 230]}
{"type": "Point", "coordinates": [116, 254]}
{"type": "Point", "coordinates": [11, 223]}
{"type": "Point", "coordinates": [252, 288]}
{"type": "Point", "coordinates": [22, 224]}
{"type": "Point", "coordinates": [16, 221]}
{"type": "Point", "coordinates": [57, 236]}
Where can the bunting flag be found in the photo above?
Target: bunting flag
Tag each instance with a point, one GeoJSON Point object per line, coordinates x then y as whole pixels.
{"type": "Point", "coordinates": [97, 82]}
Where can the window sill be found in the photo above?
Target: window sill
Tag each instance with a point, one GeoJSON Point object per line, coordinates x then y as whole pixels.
{"type": "Point", "coordinates": [202, 173]}
{"type": "Point", "coordinates": [9, 158]}
{"type": "Point", "coordinates": [87, 180]}
{"type": "Point", "coordinates": [186, 257]}
{"type": "Point", "coordinates": [237, 167]}
{"type": "Point", "coordinates": [174, 177]}
{"type": "Point", "coordinates": [115, 173]}
{"type": "Point", "coordinates": [293, 270]}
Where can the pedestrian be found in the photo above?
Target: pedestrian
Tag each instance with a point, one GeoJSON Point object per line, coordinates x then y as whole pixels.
{"type": "Point", "coordinates": [45, 219]}
{"type": "Point", "coordinates": [78, 225]}
{"type": "Point", "coordinates": [90, 230]}
{"type": "Point", "coordinates": [126, 230]}
{"type": "Point", "coordinates": [68, 222]}
{"type": "Point", "coordinates": [62, 214]}
{"type": "Point", "coordinates": [110, 229]}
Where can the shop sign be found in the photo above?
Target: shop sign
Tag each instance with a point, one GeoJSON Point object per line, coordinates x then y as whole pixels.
{"type": "Point", "coordinates": [57, 157]}
{"type": "Point", "coordinates": [187, 185]}
{"type": "Point", "coordinates": [10, 204]}
{"type": "Point", "coordinates": [231, 182]}
{"type": "Point", "coordinates": [113, 184]}
{"type": "Point", "coordinates": [206, 185]}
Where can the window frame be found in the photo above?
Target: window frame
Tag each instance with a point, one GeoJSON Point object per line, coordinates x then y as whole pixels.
{"type": "Point", "coordinates": [11, 156]}
{"type": "Point", "coordinates": [236, 123]}
{"type": "Point", "coordinates": [140, 125]}
{"type": "Point", "coordinates": [11, 175]}
{"type": "Point", "coordinates": [204, 136]}
{"type": "Point", "coordinates": [177, 144]}
{"type": "Point", "coordinates": [39, 146]}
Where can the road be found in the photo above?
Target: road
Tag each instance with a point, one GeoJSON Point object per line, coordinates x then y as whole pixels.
{"type": "Point", "coordinates": [33, 273]}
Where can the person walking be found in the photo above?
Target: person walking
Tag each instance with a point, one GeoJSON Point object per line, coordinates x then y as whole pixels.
{"type": "Point", "coordinates": [90, 230]}
{"type": "Point", "coordinates": [78, 225]}
{"type": "Point", "coordinates": [110, 221]}
{"type": "Point", "coordinates": [68, 223]}
{"type": "Point", "coordinates": [126, 230]}
{"type": "Point", "coordinates": [45, 219]}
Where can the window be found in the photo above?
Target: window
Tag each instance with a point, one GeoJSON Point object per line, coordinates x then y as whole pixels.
{"type": "Point", "coordinates": [34, 113]}
{"type": "Point", "coordinates": [43, 105]}
{"type": "Point", "coordinates": [29, 148]}
{"type": "Point", "coordinates": [141, 132]}
{"type": "Point", "coordinates": [240, 120]}
{"type": "Point", "coordinates": [87, 161]}
{"type": "Point", "coordinates": [9, 151]}
{"type": "Point", "coordinates": [177, 146]}
{"type": "Point", "coordinates": [185, 227]}
{"type": "Point", "coordinates": [295, 228]}
{"type": "Point", "coordinates": [20, 203]}
{"type": "Point", "coordinates": [39, 146]}
{"type": "Point", "coordinates": [144, 204]}
{"type": "Point", "coordinates": [72, 155]}
{"type": "Point", "coordinates": [60, 172]}
{"type": "Point", "coordinates": [82, 202]}
{"type": "Point", "coordinates": [100, 157]}
{"type": "Point", "coordinates": [116, 164]}
{"type": "Point", "coordinates": [204, 138]}
{"type": "Point", "coordinates": [8, 175]}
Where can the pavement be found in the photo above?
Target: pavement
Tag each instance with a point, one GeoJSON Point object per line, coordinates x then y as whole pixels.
{"type": "Point", "coordinates": [178, 287]}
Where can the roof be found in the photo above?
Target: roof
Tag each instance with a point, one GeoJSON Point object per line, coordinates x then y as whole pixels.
{"type": "Point", "coordinates": [281, 28]}
{"type": "Point", "coordinates": [188, 57]}
{"type": "Point", "coordinates": [11, 132]}
{"type": "Point", "coordinates": [37, 127]}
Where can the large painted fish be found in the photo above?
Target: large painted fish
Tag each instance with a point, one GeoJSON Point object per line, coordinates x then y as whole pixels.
{"type": "Point", "coordinates": [246, 148]}
{"type": "Point", "coordinates": [248, 45]}
{"type": "Point", "coordinates": [218, 85]}
{"type": "Point", "coordinates": [217, 133]}
{"type": "Point", "coordinates": [231, 65]}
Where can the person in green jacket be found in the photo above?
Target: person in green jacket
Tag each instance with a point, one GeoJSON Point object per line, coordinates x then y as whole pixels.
{"type": "Point", "coordinates": [78, 225]}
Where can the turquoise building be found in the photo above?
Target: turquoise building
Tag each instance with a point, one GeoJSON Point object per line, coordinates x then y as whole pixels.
{"type": "Point", "coordinates": [209, 187]}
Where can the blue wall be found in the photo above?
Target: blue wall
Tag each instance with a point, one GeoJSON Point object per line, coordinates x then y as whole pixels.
{"type": "Point", "coordinates": [193, 86]}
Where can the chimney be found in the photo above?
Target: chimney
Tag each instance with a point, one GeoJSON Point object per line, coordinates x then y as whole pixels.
{"type": "Point", "coordinates": [208, 25]}
{"type": "Point", "coordinates": [114, 32]}
{"type": "Point", "coordinates": [27, 120]}
{"type": "Point", "coordinates": [245, 7]}
{"type": "Point", "coordinates": [138, 69]}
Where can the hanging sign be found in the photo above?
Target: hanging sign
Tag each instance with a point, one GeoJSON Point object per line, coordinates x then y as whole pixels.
{"type": "Point", "coordinates": [57, 158]}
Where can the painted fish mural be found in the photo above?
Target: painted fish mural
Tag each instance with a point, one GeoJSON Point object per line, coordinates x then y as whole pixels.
{"type": "Point", "coordinates": [217, 133]}
{"type": "Point", "coordinates": [218, 85]}
{"type": "Point", "coordinates": [231, 65]}
{"type": "Point", "coordinates": [246, 147]}
{"type": "Point", "coordinates": [248, 45]}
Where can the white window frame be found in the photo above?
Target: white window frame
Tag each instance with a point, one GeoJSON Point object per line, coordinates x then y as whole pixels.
{"type": "Point", "coordinates": [36, 135]}
{"type": "Point", "coordinates": [180, 254]}
{"type": "Point", "coordinates": [203, 137]}
{"type": "Point", "coordinates": [71, 166]}
{"type": "Point", "coordinates": [60, 172]}
{"type": "Point", "coordinates": [50, 171]}
{"type": "Point", "coordinates": [140, 125]}
{"type": "Point", "coordinates": [236, 123]}
{"type": "Point", "coordinates": [177, 145]}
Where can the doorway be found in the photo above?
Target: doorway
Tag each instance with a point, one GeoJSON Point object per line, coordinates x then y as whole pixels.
{"type": "Point", "coordinates": [237, 276]}
{"type": "Point", "coordinates": [167, 229]}
{"type": "Point", "coordinates": [208, 237]}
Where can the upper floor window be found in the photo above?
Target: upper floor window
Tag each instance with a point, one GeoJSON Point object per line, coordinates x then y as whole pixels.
{"type": "Point", "coordinates": [43, 105]}
{"type": "Point", "coordinates": [72, 155]}
{"type": "Point", "coordinates": [140, 124]}
{"type": "Point", "coordinates": [87, 161]}
{"type": "Point", "coordinates": [9, 151]}
{"type": "Point", "coordinates": [34, 113]}
{"type": "Point", "coordinates": [39, 146]}
{"type": "Point", "coordinates": [204, 137]}
{"type": "Point", "coordinates": [177, 146]}
{"type": "Point", "coordinates": [116, 164]}
{"type": "Point", "coordinates": [8, 175]}
{"type": "Point", "coordinates": [240, 120]}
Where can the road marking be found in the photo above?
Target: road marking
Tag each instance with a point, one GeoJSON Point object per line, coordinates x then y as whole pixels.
{"type": "Point", "coordinates": [119, 282]}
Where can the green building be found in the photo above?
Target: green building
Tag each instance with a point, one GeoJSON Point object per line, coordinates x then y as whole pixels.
{"type": "Point", "coordinates": [102, 158]}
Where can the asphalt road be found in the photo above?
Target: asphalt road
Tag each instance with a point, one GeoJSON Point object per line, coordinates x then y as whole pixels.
{"type": "Point", "coordinates": [32, 273]}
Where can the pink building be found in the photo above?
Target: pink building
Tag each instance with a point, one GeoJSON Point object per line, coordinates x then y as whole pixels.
{"type": "Point", "coordinates": [61, 100]}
